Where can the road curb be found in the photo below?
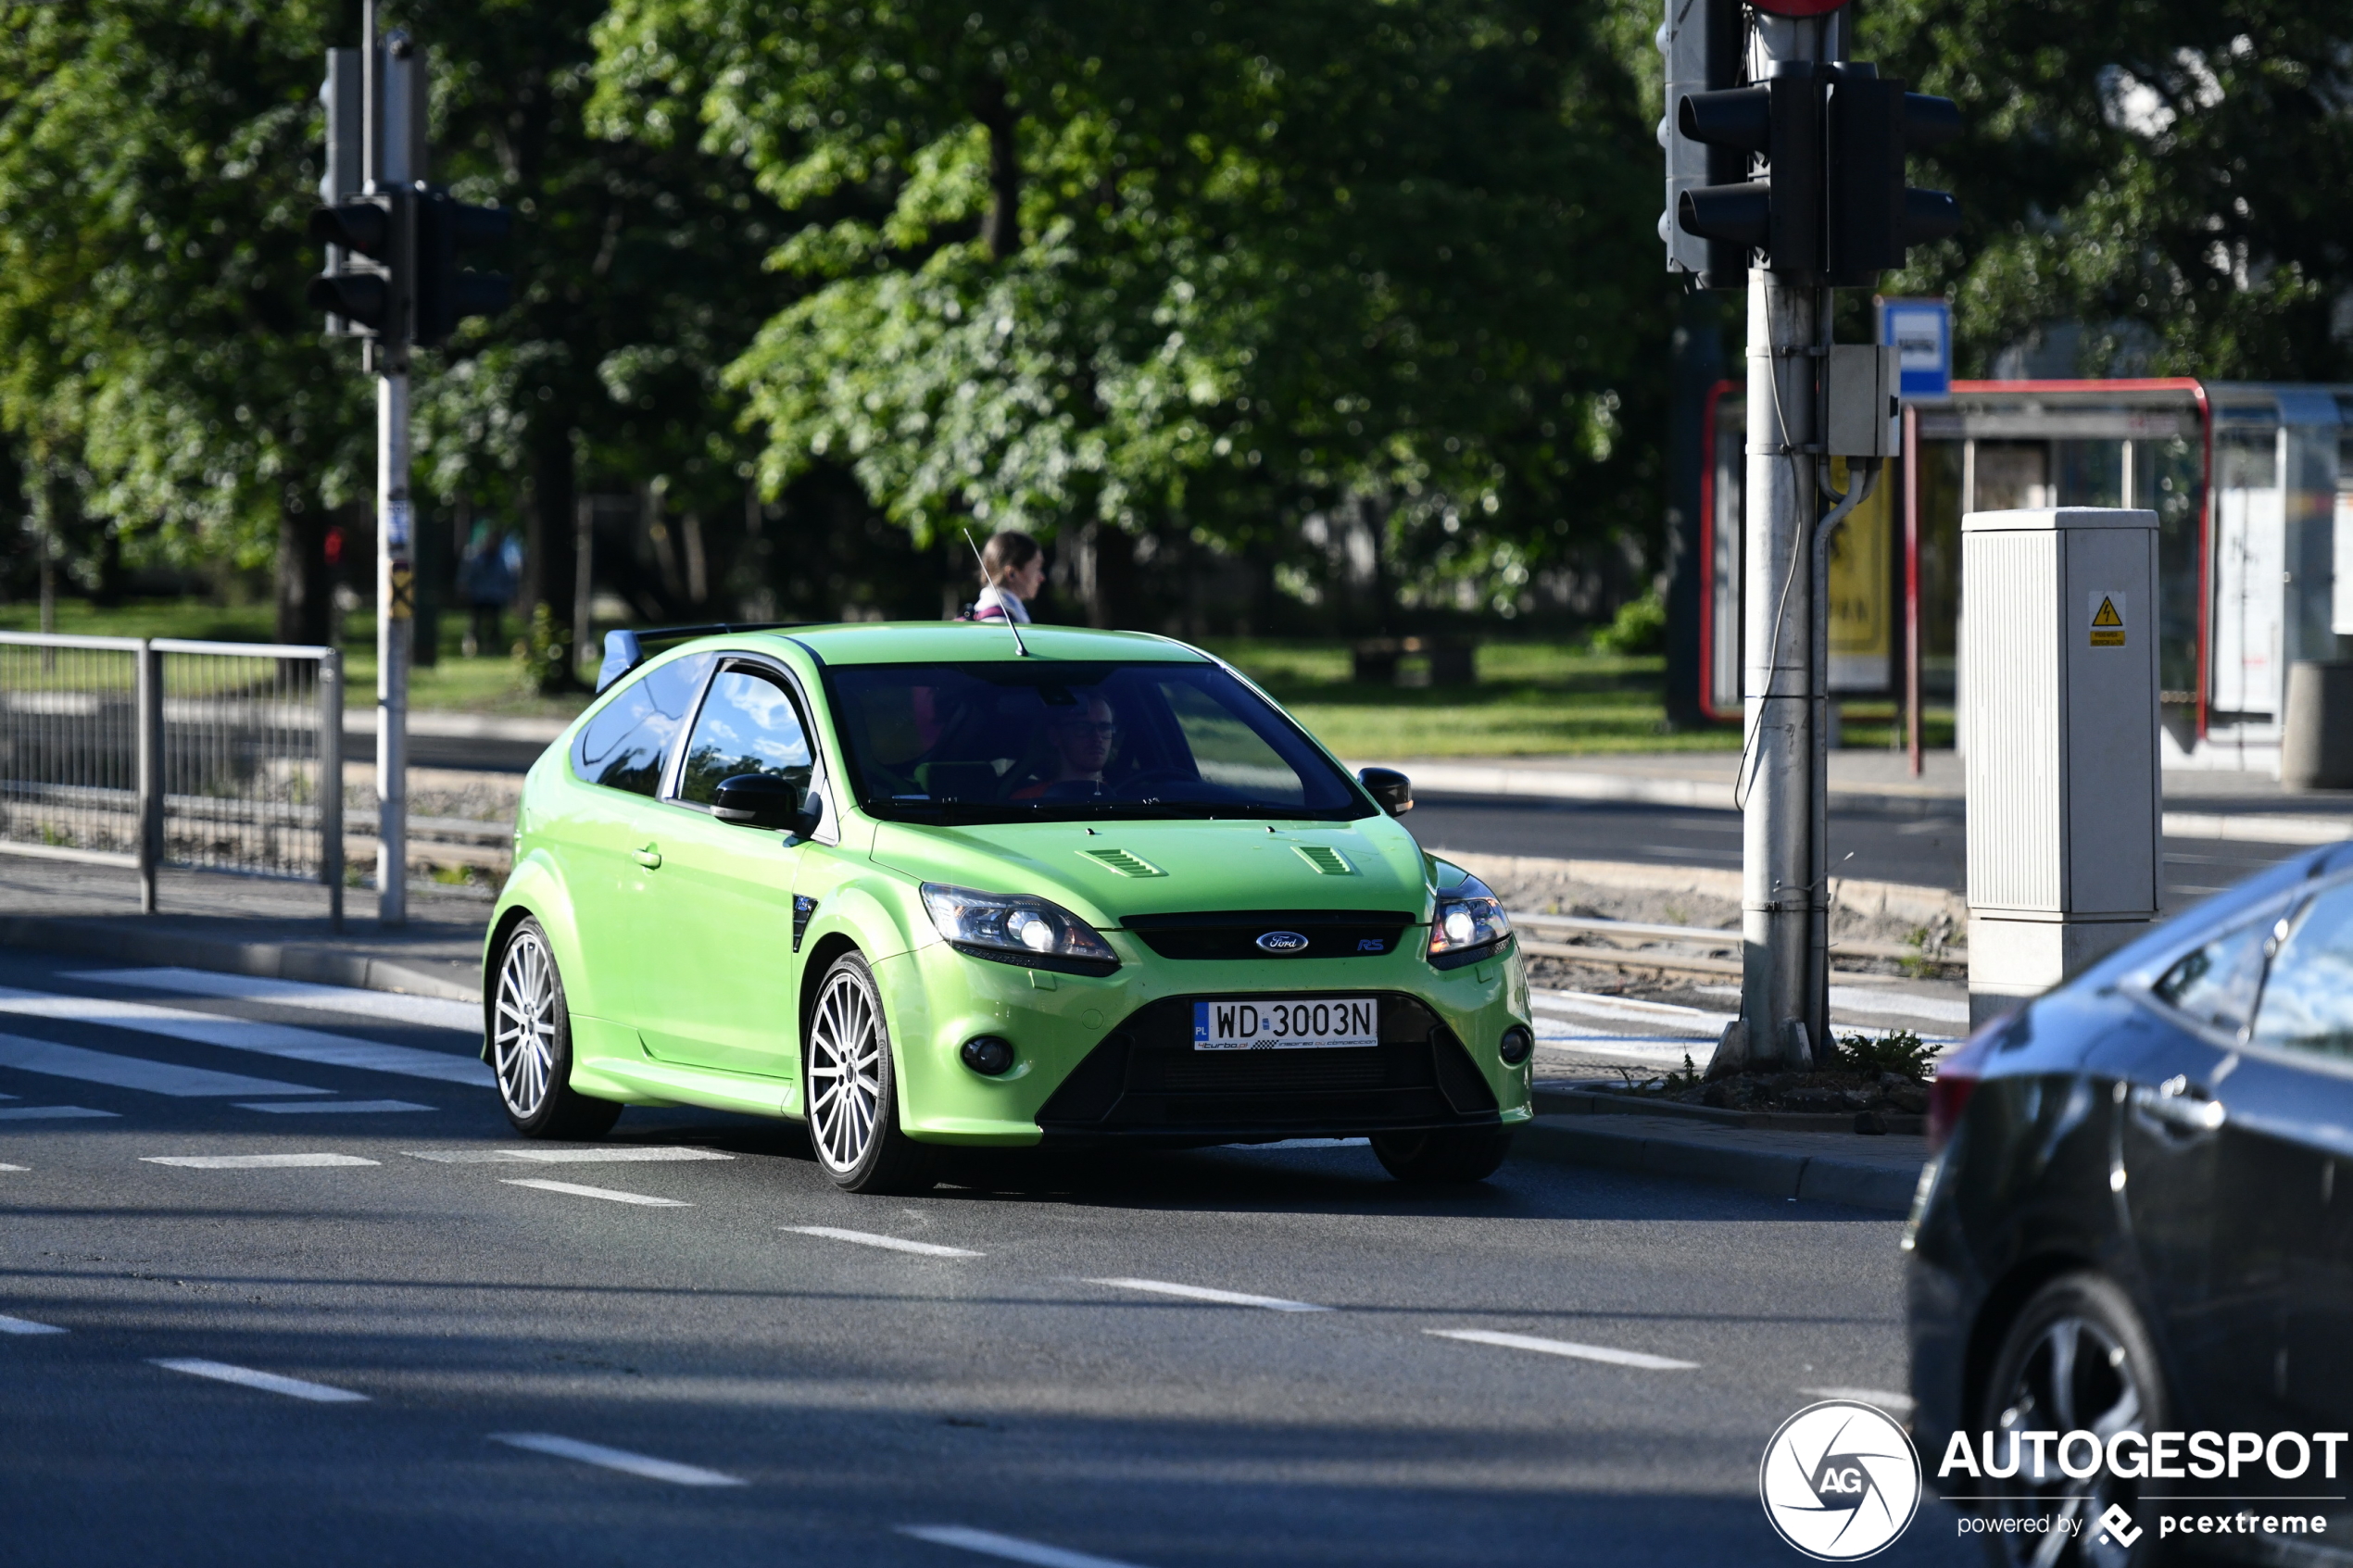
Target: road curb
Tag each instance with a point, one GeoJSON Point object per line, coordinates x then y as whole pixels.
{"type": "Point", "coordinates": [1883, 1185]}
{"type": "Point", "coordinates": [266, 961]}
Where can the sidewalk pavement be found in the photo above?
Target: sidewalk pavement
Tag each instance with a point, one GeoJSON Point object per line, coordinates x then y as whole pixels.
{"type": "Point", "coordinates": [278, 930]}
{"type": "Point", "coordinates": [2201, 803]}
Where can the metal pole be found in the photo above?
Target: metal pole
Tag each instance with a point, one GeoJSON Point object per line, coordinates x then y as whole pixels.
{"type": "Point", "coordinates": [1778, 897]}
{"type": "Point", "coordinates": [331, 784]}
{"type": "Point", "coordinates": [149, 708]}
{"type": "Point", "coordinates": [387, 115]}
{"type": "Point", "coordinates": [583, 567]}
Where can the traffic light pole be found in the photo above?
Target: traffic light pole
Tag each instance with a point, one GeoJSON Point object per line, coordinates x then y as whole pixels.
{"type": "Point", "coordinates": [387, 139]}
{"type": "Point", "coordinates": [1784, 994]}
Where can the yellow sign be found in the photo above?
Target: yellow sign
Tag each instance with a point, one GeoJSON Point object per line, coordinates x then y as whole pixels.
{"type": "Point", "coordinates": [2108, 620]}
{"type": "Point", "coordinates": [1862, 607]}
{"type": "Point", "coordinates": [404, 591]}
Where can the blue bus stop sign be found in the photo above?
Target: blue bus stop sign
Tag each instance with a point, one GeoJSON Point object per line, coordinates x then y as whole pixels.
{"type": "Point", "coordinates": [1921, 332]}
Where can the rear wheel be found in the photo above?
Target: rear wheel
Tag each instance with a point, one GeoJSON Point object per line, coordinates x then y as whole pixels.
{"type": "Point", "coordinates": [1471, 1154]}
{"type": "Point", "coordinates": [531, 1044]}
{"type": "Point", "coordinates": [853, 1099]}
{"type": "Point", "coordinates": [2076, 1358]}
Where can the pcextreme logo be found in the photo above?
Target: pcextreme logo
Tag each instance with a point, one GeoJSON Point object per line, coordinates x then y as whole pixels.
{"type": "Point", "coordinates": [1840, 1480]}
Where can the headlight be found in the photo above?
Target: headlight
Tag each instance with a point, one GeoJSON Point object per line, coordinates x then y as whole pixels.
{"type": "Point", "coordinates": [1014, 924]}
{"type": "Point", "coordinates": [1469, 915]}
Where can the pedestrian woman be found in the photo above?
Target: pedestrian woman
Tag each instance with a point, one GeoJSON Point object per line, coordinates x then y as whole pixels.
{"type": "Point", "coordinates": [1012, 571]}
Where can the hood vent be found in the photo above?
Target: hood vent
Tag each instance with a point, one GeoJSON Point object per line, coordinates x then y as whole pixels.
{"type": "Point", "coordinates": [1325, 858]}
{"type": "Point", "coordinates": [1120, 860]}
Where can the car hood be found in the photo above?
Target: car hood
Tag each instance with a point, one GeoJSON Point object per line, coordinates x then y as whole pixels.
{"type": "Point", "coordinates": [1124, 869]}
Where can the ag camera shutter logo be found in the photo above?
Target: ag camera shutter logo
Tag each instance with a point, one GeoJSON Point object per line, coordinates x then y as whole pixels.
{"type": "Point", "coordinates": [1840, 1481]}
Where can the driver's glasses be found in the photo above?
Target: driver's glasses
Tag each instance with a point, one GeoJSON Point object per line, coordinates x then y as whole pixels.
{"type": "Point", "coordinates": [1101, 729]}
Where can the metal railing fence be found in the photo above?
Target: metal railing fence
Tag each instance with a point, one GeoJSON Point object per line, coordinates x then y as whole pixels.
{"type": "Point", "coordinates": [145, 752]}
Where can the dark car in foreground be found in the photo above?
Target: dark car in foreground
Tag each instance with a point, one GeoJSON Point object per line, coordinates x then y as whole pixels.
{"type": "Point", "coordinates": [2138, 1223]}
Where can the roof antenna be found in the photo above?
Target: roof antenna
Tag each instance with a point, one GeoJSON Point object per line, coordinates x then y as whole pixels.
{"type": "Point", "coordinates": [1011, 624]}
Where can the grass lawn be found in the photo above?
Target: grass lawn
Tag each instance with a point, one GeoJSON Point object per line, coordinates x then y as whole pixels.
{"type": "Point", "coordinates": [1532, 699]}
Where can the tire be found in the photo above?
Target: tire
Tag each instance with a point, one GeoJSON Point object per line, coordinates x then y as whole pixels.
{"type": "Point", "coordinates": [1471, 1154]}
{"type": "Point", "coordinates": [2076, 1355]}
{"type": "Point", "coordinates": [853, 1089]}
{"type": "Point", "coordinates": [531, 1044]}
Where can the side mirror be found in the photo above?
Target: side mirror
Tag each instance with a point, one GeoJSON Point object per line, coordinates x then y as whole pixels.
{"type": "Point", "coordinates": [763, 800]}
{"type": "Point", "coordinates": [1391, 789]}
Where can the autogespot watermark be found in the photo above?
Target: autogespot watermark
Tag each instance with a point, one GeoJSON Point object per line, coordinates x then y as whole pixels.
{"type": "Point", "coordinates": [1841, 1481]}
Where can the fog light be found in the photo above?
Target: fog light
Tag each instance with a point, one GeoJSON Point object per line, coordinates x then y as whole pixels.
{"type": "Point", "coordinates": [1513, 1048]}
{"type": "Point", "coordinates": [987, 1055]}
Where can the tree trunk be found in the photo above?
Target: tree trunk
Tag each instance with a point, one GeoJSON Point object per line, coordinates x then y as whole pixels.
{"type": "Point", "coordinates": [549, 563]}
{"type": "Point", "coordinates": [303, 590]}
{"type": "Point", "coordinates": [1107, 575]}
{"type": "Point", "coordinates": [1002, 227]}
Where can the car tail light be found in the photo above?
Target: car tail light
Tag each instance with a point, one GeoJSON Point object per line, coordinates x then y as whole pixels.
{"type": "Point", "coordinates": [1955, 1080]}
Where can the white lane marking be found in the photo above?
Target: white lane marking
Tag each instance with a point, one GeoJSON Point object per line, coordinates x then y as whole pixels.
{"type": "Point", "coordinates": [252, 1161]}
{"type": "Point", "coordinates": [48, 1058]}
{"type": "Point", "coordinates": [244, 1034]}
{"type": "Point", "coordinates": [15, 1167]}
{"type": "Point", "coordinates": [356, 1107]}
{"type": "Point", "coordinates": [26, 1325]}
{"type": "Point", "coordinates": [1202, 1293]}
{"type": "Point", "coordinates": [1012, 1548]}
{"type": "Point", "coordinates": [1885, 1398]}
{"type": "Point", "coordinates": [390, 1007]}
{"type": "Point", "coordinates": [1307, 1143]}
{"type": "Point", "coordinates": [616, 1459]}
{"type": "Point", "coordinates": [1563, 1348]}
{"type": "Point", "coordinates": [270, 1382]}
{"type": "Point", "coordinates": [606, 1193]}
{"type": "Point", "coordinates": [893, 1243]}
{"type": "Point", "coordinates": [621, 1154]}
{"type": "Point", "coordinates": [47, 1113]}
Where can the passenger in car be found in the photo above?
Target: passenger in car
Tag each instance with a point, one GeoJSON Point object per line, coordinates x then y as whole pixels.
{"type": "Point", "coordinates": [1081, 745]}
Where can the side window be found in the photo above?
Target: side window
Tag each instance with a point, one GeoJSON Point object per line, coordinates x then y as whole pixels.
{"type": "Point", "coordinates": [748, 725]}
{"type": "Point", "coordinates": [2216, 983]}
{"type": "Point", "coordinates": [624, 745]}
{"type": "Point", "coordinates": [2307, 1001]}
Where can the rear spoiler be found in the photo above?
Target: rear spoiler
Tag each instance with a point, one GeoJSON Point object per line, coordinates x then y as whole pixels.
{"type": "Point", "coordinates": [626, 650]}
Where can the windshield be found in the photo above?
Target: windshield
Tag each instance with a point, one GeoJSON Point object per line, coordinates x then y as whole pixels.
{"type": "Point", "coordinates": [1037, 741]}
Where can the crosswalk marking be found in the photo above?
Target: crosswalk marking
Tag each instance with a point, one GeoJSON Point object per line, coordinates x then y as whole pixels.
{"type": "Point", "coordinates": [268, 1382]}
{"type": "Point", "coordinates": [252, 1161]}
{"type": "Point", "coordinates": [889, 1243]}
{"type": "Point", "coordinates": [622, 1459]}
{"type": "Point", "coordinates": [1563, 1348]}
{"type": "Point", "coordinates": [356, 1107]}
{"type": "Point", "coordinates": [1203, 1293]}
{"type": "Point", "coordinates": [621, 1154]}
{"type": "Point", "coordinates": [134, 1071]}
{"type": "Point", "coordinates": [1012, 1548]}
{"type": "Point", "coordinates": [607, 1194]}
{"type": "Point", "coordinates": [391, 1007]}
{"type": "Point", "coordinates": [244, 1034]}
{"type": "Point", "coordinates": [47, 1113]}
{"type": "Point", "coordinates": [25, 1325]}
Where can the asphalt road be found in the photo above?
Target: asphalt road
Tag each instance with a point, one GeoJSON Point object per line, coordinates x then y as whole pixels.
{"type": "Point", "coordinates": [1893, 845]}
{"type": "Point", "coordinates": [463, 1321]}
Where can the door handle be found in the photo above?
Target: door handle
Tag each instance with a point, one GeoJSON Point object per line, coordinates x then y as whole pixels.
{"type": "Point", "coordinates": [2177, 1102]}
{"type": "Point", "coordinates": [650, 856]}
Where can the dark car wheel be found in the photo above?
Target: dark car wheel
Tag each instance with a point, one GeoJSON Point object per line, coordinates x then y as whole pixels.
{"type": "Point", "coordinates": [853, 1100]}
{"type": "Point", "coordinates": [531, 1044]}
{"type": "Point", "coordinates": [1470, 1155]}
{"type": "Point", "coordinates": [2075, 1357]}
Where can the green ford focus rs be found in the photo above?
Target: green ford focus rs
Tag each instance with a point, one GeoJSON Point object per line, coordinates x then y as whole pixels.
{"type": "Point", "coordinates": [927, 885]}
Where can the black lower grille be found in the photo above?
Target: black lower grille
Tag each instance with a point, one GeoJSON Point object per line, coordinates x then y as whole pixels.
{"type": "Point", "coordinates": [1145, 1080]}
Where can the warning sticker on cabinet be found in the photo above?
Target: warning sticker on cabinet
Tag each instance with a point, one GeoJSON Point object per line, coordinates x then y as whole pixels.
{"type": "Point", "coordinates": [2108, 620]}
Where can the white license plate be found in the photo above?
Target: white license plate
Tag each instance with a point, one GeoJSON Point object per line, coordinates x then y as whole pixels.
{"type": "Point", "coordinates": [1281, 1024]}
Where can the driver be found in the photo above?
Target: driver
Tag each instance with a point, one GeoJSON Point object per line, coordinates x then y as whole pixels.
{"type": "Point", "coordinates": [1082, 744]}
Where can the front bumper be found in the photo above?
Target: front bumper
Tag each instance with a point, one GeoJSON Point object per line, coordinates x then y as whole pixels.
{"type": "Point", "coordinates": [1109, 1060]}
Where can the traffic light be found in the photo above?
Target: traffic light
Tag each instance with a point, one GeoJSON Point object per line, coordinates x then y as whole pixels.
{"type": "Point", "coordinates": [1702, 41]}
{"type": "Point", "coordinates": [1778, 120]}
{"type": "Point", "coordinates": [1871, 126]}
{"type": "Point", "coordinates": [447, 293]}
{"type": "Point", "coordinates": [363, 283]}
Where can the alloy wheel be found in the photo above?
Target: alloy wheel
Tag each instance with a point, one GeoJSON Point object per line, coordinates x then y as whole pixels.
{"type": "Point", "coordinates": [524, 1039]}
{"type": "Point", "coordinates": [845, 1071]}
{"type": "Point", "coordinates": [2076, 1376]}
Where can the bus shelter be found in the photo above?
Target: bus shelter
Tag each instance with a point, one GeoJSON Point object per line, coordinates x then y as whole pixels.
{"type": "Point", "coordinates": [2253, 490]}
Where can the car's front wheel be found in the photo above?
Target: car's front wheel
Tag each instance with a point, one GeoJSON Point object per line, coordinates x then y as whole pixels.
{"type": "Point", "coordinates": [1470, 1154]}
{"type": "Point", "coordinates": [2076, 1358]}
{"type": "Point", "coordinates": [853, 1089]}
{"type": "Point", "coordinates": [531, 1043]}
